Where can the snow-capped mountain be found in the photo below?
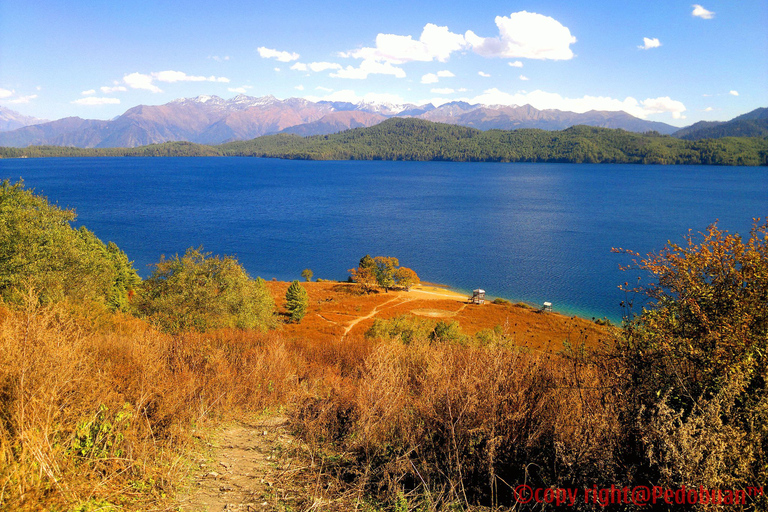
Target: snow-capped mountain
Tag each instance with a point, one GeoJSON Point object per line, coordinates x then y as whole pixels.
{"type": "Point", "coordinates": [214, 120]}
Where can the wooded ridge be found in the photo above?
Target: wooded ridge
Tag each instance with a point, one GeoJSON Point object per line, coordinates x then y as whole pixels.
{"type": "Point", "coordinates": [420, 140]}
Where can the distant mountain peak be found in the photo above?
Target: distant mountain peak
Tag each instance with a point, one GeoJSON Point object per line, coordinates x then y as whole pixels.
{"type": "Point", "coordinates": [12, 120]}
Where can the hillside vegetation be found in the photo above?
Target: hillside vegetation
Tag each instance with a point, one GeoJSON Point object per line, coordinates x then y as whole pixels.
{"type": "Point", "coordinates": [415, 139]}
{"type": "Point", "coordinates": [102, 400]}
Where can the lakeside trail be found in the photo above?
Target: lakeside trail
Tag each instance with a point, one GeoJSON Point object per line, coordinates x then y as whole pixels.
{"type": "Point", "coordinates": [257, 466]}
{"type": "Point", "coordinates": [376, 309]}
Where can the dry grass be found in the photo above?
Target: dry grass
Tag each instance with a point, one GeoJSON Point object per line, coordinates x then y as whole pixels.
{"type": "Point", "coordinates": [102, 411]}
{"type": "Point", "coordinates": [99, 409]}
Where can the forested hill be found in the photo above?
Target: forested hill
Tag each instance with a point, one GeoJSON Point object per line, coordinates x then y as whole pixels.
{"type": "Point", "coordinates": [416, 139]}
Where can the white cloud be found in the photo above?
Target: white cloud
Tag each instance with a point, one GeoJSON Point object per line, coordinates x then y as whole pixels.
{"type": "Point", "coordinates": [220, 59]}
{"type": "Point", "coordinates": [708, 109]}
{"type": "Point", "coordinates": [516, 64]}
{"type": "Point", "coordinates": [317, 67]}
{"type": "Point", "coordinates": [299, 87]}
{"type": "Point", "coordinates": [179, 76]}
{"type": "Point", "coordinates": [323, 66]}
{"type": "Point", "coordinates": [733, 93]}
{"type": "Point", "coordinates": [369, 67]}
{"type": "Point", "coordinates": [88, 92]}
{"type": "Point", "coordinates": [23, 99]}
{"type": "Point", "coordinates": [546, 100]}
{"type": "Point", "coordinates": [269, 53]}
{"type": "Point", "coordinates": [429, 78]}
{"type": "Point", "coordinates": [662, 105]}
{"type": "Point", "coordinates": [95, 101]}
{"type": "Point", "coordinates": [435, 43]}
{"type": "Point", "coordinates": [483, 74]}
{"type": "Point", "coordinates": [110, 90]}
{"type": "Point", "coordinates": [649, 43]}
{"type": "Point", "coordinates": [433, 78]}
{"type": "Point", "coordinates": [700, 12]}
{"type": "Point", "coordinates": [141, 81]}
{"type": "Point", "coordinates": [444, 90]}
{"type": "Point", "coordinates": [240, 90]}
{"type": "Point", "coordinates": [525, 34]}
{"type": "Point", "coordinates": [324, 89]}
{"type": "Point", "coordinates": [5, 93]}
{"type": "Point", "coordinates": [523, 77]}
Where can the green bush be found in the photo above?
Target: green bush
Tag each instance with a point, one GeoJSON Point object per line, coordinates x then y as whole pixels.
{"type": "Point", "coordinates": [407, 328]}
{"type": "Point", "coordinates": [40, 250]}
{"type": "Point", "coordinates": [199, 292]}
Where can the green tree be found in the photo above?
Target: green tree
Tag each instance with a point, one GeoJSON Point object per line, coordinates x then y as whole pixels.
{"type": "Point", "coordinates": [40, 249]}
{"type": "Point", "coordinates": [365, 273]}
{"type": "Point", "coordinates": [385, 267]}
{"type": "Point", "coordinates": [296, 301]}
{"type": "Point", "coordinates": [307, 274]}
{"type": "Point", "coordinates": [199, 292]}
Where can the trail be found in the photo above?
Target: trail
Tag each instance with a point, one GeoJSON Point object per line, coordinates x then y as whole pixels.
{"type": "Point", "coordinates": [252, 467]}
{"type": "Point", "coordinates": [371, 314]}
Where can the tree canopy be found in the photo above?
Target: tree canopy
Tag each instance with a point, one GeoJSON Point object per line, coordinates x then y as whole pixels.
{"type": "Point", "coordinates": [418, 139]}
{"type": "Point", "coordinates": [383, 271]}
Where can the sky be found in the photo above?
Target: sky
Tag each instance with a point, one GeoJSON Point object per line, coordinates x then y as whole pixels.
{"type": "Point", "coordinates": [669, 61]}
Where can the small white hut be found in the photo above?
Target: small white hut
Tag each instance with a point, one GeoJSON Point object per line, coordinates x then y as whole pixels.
{"type": "Point", "coordinates": [478, 296]}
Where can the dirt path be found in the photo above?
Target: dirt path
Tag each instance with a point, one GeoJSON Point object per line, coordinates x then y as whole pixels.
{"type": "Point", "coordinates": [371, 314]}
{"type": "Point", "coordinates": [256, 466]}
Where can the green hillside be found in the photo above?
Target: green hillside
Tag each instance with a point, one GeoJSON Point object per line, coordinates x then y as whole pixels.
{"type": "Point", "coordinates": [416, 139]}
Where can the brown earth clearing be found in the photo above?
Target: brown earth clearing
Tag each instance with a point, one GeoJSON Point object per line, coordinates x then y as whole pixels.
{"type": "Point", "coordinates": [343, 310]}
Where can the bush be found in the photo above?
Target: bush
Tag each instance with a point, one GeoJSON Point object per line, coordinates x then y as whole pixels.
{"type": "Point", "coordinates": [693, 365]}
{"type": "Point", "coordinates": [40, 250]}
{"type": "Point", "coordinates": [199, 292]}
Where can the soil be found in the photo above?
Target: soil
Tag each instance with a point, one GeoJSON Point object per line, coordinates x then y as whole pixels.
{"type": "Point", "coordinates": [341, 310]}
{"type": "Point", "coordinates": [257, 466]}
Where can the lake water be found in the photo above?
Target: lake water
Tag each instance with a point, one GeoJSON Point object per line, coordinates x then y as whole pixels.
{"type": "Point", "coordinates": [532, 232]}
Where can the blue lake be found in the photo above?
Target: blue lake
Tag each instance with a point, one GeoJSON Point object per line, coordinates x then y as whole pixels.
{"type": "Point", "coordinates": [532, 232]}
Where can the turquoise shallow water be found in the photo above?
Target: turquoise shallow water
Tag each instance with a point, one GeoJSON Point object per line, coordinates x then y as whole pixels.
{"type": "Point", "coordinates": [532, 232]}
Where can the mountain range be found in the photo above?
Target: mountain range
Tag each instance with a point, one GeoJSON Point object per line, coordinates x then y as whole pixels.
{"type": "Point", "coordinates": [213, 120]}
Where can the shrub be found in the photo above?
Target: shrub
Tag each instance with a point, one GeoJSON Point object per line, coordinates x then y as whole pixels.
{"type": "Point", "coordinates": [406, 328]}
{"type": "Point", "coordinates": [39, 249]}
{"type": "Point", "coordinates": [199, 292]}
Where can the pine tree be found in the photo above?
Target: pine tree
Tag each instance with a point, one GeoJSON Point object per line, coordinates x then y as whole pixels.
{"type": "Point", "coordinates": [296, 301]}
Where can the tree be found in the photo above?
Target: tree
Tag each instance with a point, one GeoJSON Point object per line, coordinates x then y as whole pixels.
{"type": "Point", "coordinates": [405, 278]}
{"type": "Point", "coordinates": [365, 273]}
{"type": "Point", "coordinates": [385, 267]}
{"type": "Point", "coordinates": [296, 301]}
{"type": "Point", "coordinates": [307, 274]}
{"type": "Point", "coordinates": [199, 292]}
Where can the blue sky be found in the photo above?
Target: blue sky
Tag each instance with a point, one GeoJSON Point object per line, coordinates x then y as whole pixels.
{"type": "Point", "coordinates": [669, 61]}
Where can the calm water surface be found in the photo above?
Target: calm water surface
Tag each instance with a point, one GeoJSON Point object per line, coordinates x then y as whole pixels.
{"type": "Point", "coordinates": [533, 232]}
